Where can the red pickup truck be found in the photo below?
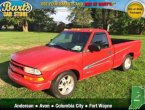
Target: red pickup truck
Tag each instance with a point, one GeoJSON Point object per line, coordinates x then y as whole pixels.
{"type": "Point", "coordinates": [74, 54]}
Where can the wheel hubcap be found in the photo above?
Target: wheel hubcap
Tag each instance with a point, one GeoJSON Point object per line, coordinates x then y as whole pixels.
{"type": "Point", "coordinates": [127, 63]}
{"type": "Point", "coordinates": [66, 85]}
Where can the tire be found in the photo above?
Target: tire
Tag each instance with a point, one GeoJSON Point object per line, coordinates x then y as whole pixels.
{"type": "Point", "coordinates": [64, 84]}
{"type": "Point", "coordinates": [127, 63]}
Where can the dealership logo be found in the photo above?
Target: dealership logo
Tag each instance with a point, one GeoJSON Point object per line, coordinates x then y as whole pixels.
{"type": "Point", "coordinates": [15, 8]}
{"type": "Point", "coordinates": [135, 9]}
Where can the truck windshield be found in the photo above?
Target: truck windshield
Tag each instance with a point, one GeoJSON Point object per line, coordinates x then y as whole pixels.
{"type": "Point", "coordinates": [73, 41]}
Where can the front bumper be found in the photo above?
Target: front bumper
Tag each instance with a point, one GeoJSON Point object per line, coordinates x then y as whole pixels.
{"type": "Point", "coordinates": [30, 85]}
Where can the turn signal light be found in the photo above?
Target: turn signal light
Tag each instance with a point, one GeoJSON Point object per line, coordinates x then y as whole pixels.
{"type": "Point", "coordinates": [34, 79]}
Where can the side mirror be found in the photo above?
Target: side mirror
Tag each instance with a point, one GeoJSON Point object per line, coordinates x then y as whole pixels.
{"type": "Point", "coordinates": [94, 47]}
{"type": "Point", "coordinates": [49, 42]}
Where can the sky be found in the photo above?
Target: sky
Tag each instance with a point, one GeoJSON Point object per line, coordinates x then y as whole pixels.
{"type": "Point", "coordinates": [61, 15]}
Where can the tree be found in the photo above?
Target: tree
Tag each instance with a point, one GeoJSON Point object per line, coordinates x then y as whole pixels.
{"type": "Point", "coordinates": [60, 27]}
{"type": "Point", "coordinates": [118, 21]}
{"type": "Point", "coordinates": [17, 22]}
{"type": "Point", "coordinates": [122, 24]}
{"type": "Point", "coordinates": [41, 20]}
{"type": "Point", "coordinates": [38, 16]}
{"type": "Point", "coordinates": [4, 22]}
{"type": "Point", "coordinates": [102, 17]}
{"type": "Point", "coordinates": [81, 17]}
{"type": "Point", "coordinates": [85, 17]}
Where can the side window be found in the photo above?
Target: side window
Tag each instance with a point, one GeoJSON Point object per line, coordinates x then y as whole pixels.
{"type": "Point", "coordinates": [101, 39]}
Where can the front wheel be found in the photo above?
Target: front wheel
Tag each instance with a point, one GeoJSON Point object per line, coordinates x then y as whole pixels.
{"type": "Point", "coordinates": [127, 64]}
{"type": "Point", "coordinates": [63, 86]}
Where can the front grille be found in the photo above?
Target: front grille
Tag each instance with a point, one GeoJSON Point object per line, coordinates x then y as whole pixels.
{"type": "Point", "coordinates": [16, 73]}
{"type": "Point", "coordinates": [15, 67]}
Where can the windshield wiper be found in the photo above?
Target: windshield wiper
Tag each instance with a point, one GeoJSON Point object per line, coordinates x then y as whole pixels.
{"type": "Point", "coordinates": [58, 46]}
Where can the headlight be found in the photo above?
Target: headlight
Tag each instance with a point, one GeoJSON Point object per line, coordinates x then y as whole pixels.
{"type": "Point", "coordinates": [32, 71]}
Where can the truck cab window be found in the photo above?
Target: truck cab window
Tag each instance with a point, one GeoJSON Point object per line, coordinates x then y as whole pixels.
{"type": "Point", "coordinates": [73, 41]}
{"type": "Point", "coordinates": [101, 39]}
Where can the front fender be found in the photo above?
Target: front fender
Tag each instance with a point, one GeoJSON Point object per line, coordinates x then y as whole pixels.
{"type": "Point", "coordinates": [51, 76]}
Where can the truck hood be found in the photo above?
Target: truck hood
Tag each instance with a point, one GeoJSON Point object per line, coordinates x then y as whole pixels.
{"type": "Point", "coordinates": [43, 56]}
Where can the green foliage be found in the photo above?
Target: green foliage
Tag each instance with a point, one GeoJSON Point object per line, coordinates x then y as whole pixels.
{"type": "Point", "coordinates": [119, 22]}
{"type": "Point", "coordinates": [81, 17]}
{"type": "Point", "coordinates": [122, 24]}
{"type": "Point", "coordinates": [17, 22]}
{"type": "Point", "coordinates": [38, 19]}
{"type": "Point", "coordinates": [60, 27]}
{"type": "Point", "coordinates": [41, 20]}
{"type": "Point", "coordinates": [102, 17]}
{"type": "Point", "coordinates": [7, 21]}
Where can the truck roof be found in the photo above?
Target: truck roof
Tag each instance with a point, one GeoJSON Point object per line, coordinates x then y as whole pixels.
{"type": "Point", "coordinates": [85, 30]}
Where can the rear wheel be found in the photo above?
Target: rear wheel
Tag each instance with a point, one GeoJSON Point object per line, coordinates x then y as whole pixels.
{"type": "Point", "coordinates": [127, 64]}
{"type": "Point", "coordinates": [64, 85]}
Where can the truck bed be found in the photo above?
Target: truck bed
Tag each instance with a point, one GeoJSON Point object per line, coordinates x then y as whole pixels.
{"type": "Point", "coordinates": [123, 47]}
{"type": "Point", "coordinates": [117, 41]}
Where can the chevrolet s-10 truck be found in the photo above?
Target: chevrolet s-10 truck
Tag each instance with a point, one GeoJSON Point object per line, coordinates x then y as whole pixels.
{"type": "Point", "coordinates": [74, 54]}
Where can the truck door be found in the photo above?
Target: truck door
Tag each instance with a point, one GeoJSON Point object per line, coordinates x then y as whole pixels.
{"type": "Point", "coordinates": [98, 61]}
